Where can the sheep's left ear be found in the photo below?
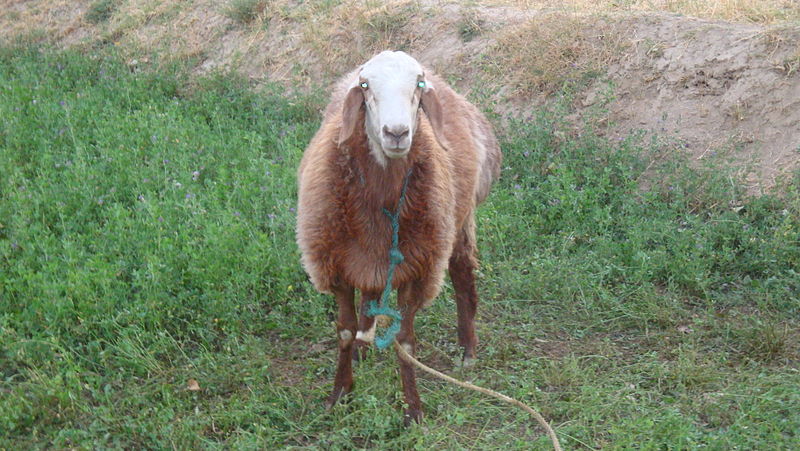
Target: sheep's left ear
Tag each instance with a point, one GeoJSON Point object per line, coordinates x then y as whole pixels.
{"type": "Point", "coordinates": [350, 112]}
{"type": "Point", "coordinates": [432, 107]}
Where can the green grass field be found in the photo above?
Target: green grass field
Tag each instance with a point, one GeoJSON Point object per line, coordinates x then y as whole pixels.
{"type": "Point", "coordinates": [147, 239]}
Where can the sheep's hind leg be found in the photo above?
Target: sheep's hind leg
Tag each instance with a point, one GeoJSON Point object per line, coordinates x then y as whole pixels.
{"type": "Point", "coordinates": [346, 330]}
{"type": "Point", "coordinates": [463, 263]}
{"type": "Point", "coordinates": [409, 301]}
{"type": "Point", "coordinates": [366, 326]}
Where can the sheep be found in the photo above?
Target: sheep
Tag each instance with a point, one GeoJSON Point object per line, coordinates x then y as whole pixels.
{"type": "Point", "coordinates": [371, 138]}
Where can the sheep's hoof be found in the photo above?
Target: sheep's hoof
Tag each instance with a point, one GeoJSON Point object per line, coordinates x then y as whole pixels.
{"type": "Point", "coordinates": [467, 362]}
{"type": "Point", "coordinates": [410, 415]}
{"type": "Point", "coordinates": [339, 395]}
{"type": "Point", "coordinates": [468, 359]}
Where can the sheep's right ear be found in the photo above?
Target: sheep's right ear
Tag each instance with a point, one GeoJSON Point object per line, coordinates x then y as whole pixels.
{"type": "Point", "coordinates": [350, 112]}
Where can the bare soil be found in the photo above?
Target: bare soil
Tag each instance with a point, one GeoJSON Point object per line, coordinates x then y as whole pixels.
{"type": "Point", "coordinates": [715, 86]}
{"type": "Point", "coordinates": [707, 86]}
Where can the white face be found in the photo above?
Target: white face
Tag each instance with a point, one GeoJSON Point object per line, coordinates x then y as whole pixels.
{"type": "Point", "coordinates": [392, 83]}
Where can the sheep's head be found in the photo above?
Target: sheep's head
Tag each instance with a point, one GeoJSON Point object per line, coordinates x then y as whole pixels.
{"type": "Point", "coordinates": [392, 87]}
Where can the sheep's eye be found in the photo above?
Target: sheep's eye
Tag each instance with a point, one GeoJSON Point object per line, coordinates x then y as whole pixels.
{"type": "Point", "coordinates": [421, 84]}
{"type": "Point", "coordinates": [364, 84]}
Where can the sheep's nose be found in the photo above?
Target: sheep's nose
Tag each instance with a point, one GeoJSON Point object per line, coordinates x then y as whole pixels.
{"type": "Point", "coordinates": [397, 132]}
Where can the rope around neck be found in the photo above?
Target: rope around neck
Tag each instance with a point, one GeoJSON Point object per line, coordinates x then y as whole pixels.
{"type": "Point", "coordinates": [395, 258]}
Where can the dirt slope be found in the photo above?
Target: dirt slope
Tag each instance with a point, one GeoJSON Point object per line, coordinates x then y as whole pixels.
{"type": "Point", "coordinates": [714, 86]}
{"type": "Point", "coordinates": [710, 85]}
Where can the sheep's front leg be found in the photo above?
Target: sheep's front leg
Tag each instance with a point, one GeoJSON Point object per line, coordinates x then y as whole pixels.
{"type": "Point", "coordinates": [366, 326]}
{"type": "Point", "coordinates": [346, 330]}
{"type": "Point", "coordinates": [408, 300]}
{"type": "Point", "coordinates": [463, 262]}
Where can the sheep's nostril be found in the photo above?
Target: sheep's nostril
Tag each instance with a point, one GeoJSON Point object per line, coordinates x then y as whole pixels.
{"type": "Point", "coordinates": [397, 132]}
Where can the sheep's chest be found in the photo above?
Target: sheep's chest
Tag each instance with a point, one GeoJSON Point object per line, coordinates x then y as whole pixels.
{"type": "Point", "coordinates": [425, 240]}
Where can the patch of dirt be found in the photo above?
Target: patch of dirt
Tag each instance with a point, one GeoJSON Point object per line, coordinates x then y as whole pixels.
{"type": "Point", "coordinates": [712, 85]}
{"type": "Point", "coordinates": [706, 85]}
{"type": "Point", "coordinates": [289, 368]}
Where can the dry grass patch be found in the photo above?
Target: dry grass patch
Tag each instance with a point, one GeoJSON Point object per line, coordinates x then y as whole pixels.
{"type": "Point", "coordinates": [50, 21]}
{"type": "Point", "coordinates": [543, 53]}
{"type": "Point", "coordinates": [753, 11]}
{"type": "Point", "coordinates": [352, 32]}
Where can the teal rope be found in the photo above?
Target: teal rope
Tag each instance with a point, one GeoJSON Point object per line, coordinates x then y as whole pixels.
{"type": "Point", "coordinates": [395, 258]}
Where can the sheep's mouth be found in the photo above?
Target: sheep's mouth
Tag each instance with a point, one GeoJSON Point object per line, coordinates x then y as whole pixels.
{"type": "Point", "coordinates": [396, 152]}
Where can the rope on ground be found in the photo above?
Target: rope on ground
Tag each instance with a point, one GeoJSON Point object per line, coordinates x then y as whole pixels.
{"type": "Point", "coordinates": [409, 358]}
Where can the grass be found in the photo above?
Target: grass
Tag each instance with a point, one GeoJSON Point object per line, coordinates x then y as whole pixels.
{"type": "Point", "coordinates": [244, 11]}
{"type": "Point", "coordinates": [146, 241]}
{"type": "Point", "coordinates": [100, 11]}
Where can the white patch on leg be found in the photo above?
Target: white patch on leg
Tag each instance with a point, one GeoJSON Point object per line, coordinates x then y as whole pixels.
{"type": "Point", "coordinates": [408, 348]}
{"type": "Point", "coordinates": [346, 335]}
{"type": "Point", "coordinates": [369, 335]}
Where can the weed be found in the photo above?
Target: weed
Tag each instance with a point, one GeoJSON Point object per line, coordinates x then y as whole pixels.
{"type": "Point", "coordinates": [470, 25]}
{"type": "Point", "coordinates": [101, 11]}
{"type": "Point", "coordinates": [764, 341]}
{"type": "Point", "coordinates": [244, 11]}
{"type": "Point", "coordinates": [790, 65]}
{"type": "Point", "coordinates": [653, 49]}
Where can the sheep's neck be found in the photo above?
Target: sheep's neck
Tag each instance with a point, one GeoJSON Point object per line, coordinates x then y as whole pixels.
{"type": "Point", "coordinates": [381, 184]}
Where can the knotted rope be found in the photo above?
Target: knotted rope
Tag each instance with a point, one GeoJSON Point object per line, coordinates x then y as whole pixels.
{"type": "Point", "coordinates": [395, 258]}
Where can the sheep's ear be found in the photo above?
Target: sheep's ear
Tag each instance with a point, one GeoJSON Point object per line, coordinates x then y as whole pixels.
{"type": "Point", "coordinates": [432, 107]}
{"type": "Point", "coordinates": [350, 109]}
